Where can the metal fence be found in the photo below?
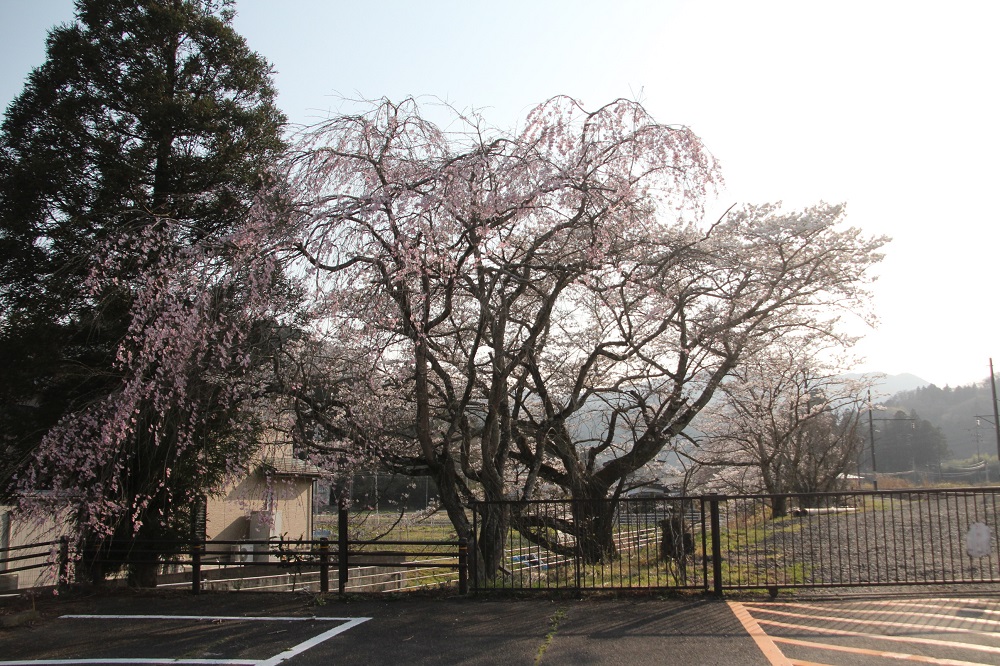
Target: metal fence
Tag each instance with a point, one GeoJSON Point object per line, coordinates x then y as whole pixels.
{"type": "Point", "coordinates": [40, 561]}
{"type": "Point", "coordinates": [717, 543]}
{"type": "Point", "coordinates": [712, 543]}
{"type": "Point", "coordinates": [352, 564]}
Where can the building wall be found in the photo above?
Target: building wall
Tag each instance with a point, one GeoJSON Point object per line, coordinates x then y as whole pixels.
{"type": "Point", "coordinates": [15, 532]}
{"type": "Point", "coordinates": [259, 507]}
{"type": "Point", "coordinates": [254, 507]}
{"type": "Point", "coordinates": [230, 513]}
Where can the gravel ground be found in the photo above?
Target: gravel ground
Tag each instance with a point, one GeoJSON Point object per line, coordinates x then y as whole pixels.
{"type": "Point", "coordinates": [899, 539]}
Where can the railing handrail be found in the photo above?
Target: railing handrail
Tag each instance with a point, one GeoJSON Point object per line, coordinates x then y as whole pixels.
{"type": "Point", "coordinates": [40, 544]}
{"type": "Point", "coordinates": [973, 490]}
{"type": "Point", "coordinates": [904, 536]}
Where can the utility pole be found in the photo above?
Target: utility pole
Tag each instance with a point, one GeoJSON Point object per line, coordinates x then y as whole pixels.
{"type": "Point", "coordinates": [978, 440]}
{"type": "Point", "coordinates": [871, 434]}
{"type": "Point", "coordinates": [996, 415]}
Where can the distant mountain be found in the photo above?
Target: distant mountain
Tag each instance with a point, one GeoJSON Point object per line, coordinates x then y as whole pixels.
{"type": "Point", "coordinates": [892, 384]}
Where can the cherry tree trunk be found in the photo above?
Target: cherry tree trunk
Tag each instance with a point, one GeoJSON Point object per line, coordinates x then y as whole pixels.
{"type": "Point", "coordinates": [779, 506]}
{"type": "Point", "coordinates": [494, 524]}
{"type": "Point", "coordinates": [594, 522]}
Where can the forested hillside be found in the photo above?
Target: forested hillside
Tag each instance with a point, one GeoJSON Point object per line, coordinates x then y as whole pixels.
{"type": "Point", "coordinates": [954, 411]}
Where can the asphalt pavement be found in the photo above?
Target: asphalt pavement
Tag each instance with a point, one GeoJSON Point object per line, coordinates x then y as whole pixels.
{"type": "Point", "coordinates": [216, 628]}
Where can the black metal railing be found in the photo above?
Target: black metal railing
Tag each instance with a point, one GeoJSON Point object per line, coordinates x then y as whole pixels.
{"type": "Point", "coordinates": [919, 537]}
{"type": "Point", "coordinates": [717, 543]}
{"type": "Point", "coordinates": [353, 564]}
{"type": "Point", "coordinates": [712, 543]}
{"type": "Point", "coordinates": [35, 557]}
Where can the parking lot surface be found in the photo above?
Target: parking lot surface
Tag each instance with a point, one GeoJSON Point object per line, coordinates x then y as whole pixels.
{"type": "Point", "coordinates": [302, 630]}
{"type": "Point", "coordinates": [260, 629]}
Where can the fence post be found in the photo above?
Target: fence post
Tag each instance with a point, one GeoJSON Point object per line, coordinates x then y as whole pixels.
{"type": "Point", "coordinates": [713, 506]}
{"type": "Point", "coordinates": [463, 566]}
{"type": "Point", "coordinates": [4, 539]}
{"type": "Point", "coordinates": [474, 561]}
{"type": "Point", "coordinates": [324, 565]}
{"type": "Point", "coordinates": [196, 547]}
{"type": "Point", "coordinates": [579, 551]}
{"type": "Point", "coordinates": [342, 547]}
{"type": "Point", "coordinates": [63, 563]}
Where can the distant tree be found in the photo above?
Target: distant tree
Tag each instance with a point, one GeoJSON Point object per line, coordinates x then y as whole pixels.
{"type": "Point", "coordinates": [894, 443]}
{"type": "Point", "coordinates": [929, 444]}
{"type": "Point", "coordinates": [127, 166]}
{"type": "Point", "coordinates": [789, 420]}
{"type": "Point", "coordinates": [958, 415]}
{"type": "Point", "coordinates": [908, 443]}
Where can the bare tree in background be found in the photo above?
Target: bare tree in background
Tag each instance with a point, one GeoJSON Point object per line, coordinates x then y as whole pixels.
{"type": "Point", "coordinates": [786, 423]}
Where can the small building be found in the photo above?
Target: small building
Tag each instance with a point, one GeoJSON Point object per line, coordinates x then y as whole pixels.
{"type": "Point", "coordinates": [273, 501]}
{"type": "Point", "coordinates": [18, 550]}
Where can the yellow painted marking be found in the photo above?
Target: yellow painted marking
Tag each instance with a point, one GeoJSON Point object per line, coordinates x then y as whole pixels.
{"type": "Point", "coordinates": [763, 641]}
{"type": "Point", "coordinates": [903, 656]}
{"type": "Point", "coordinates": [884, 637]}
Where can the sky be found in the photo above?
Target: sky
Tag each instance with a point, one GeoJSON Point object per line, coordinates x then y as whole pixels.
{"type": "Point", "coordinates": [891, 107]}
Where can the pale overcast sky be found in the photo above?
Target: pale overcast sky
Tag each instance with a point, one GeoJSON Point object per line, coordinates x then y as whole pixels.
{"type": "Point", "coordinates": [889, 106]}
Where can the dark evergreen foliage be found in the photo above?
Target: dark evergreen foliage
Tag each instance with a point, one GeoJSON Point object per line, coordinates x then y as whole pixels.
{"type": "Point", "coordinates": [963, 414]}
{"type": "Point", "coordinates": [141, 112]}
{"type": "Point", "coordinates": [906, 442]}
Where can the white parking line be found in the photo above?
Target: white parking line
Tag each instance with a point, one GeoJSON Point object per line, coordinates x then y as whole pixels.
{"type": "Point", "coordinates": [204, 618]}
{"type": "Point", "coordinates": [312, 642]}
{"type": "Point", "coordinates": [977, 605]}
{"type": "Point", "coordinates": [914, 624]}
{"type": "Point", "coordinates": [346, 623]}
{"type": "Point", "coordinates": [882, 637]}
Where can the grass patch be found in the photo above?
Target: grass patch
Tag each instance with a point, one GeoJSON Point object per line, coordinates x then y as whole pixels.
{"type": "Point", "coordinates": [368, 525]}
{"type": "Point", "coordinates": [553, 628]}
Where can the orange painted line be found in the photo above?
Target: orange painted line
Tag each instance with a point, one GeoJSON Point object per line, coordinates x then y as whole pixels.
{"type": "Point", "coordinates": [972, 604]}
{"type": "Point", "coordinates": [856, 611]}
{"type": "Point", "coordinates": [763, 641]}
{"type": "Point", "coordinates": [903, 656]}
{"type": "Point", "coordinates": [883, 637]}
{"type": "Point", "coordinates": [882, 623]}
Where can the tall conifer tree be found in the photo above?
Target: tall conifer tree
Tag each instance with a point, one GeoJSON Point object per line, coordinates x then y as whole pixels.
{"type": "Point", "coordinates": [149, 128]}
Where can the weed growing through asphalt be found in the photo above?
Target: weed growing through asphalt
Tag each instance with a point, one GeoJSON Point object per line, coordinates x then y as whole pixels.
{"type": "Point", "coordinates": [553, 628]}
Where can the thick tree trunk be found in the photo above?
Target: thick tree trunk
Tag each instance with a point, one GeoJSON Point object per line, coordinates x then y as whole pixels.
{"type": "Point", "coordinates": [494, 524]}
{"type": "Point", "coordinates": [779, 506]}
{"type": "Point", "coordinates": [451, 499]}
{"type": "Point", "coordinates": [142, 570]}
{"type": "Point", "coordinates": [140, 553]}
{"type": "Point", "coordinates": [594, 523]}
{"type": "Point", "coordinates": [90, 566]}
